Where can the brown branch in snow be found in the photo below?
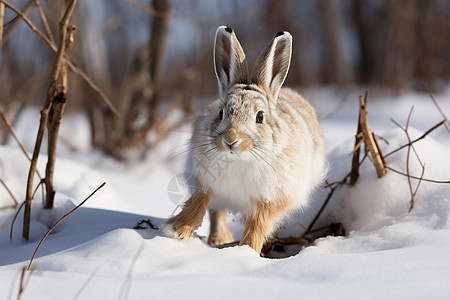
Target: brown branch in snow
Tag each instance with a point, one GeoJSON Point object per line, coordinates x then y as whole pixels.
{"type": "Point", "coordinates": [51, 95]}
{"type": "Point", "coordinates": [369, 141]}
{"type": "Point", "coordinates": [57, 95]}
{"type": "Point", "coordinates": [354, 174]}
{"type": "Point", "coordinates": [60, 220]}
{"type": "Point", "coordinates": [32, 171]}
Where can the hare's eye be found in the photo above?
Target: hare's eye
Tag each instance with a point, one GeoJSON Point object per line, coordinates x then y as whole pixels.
{"type": "Point", "coordinates": [221, 114]}
{"type": "Point", "coordinates": [260, 117]}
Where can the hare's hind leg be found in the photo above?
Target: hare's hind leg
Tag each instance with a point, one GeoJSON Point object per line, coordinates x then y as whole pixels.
{"type": "Point", "coordinates": [261, 221]}
{"type": "Point", "coordinates": [219, 233]}
{"type": "Point", "coordinates": [190, 218]}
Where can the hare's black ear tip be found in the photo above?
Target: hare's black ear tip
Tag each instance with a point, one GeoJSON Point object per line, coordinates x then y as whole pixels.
{"type": "Point", "coordinates": [280, 33]}
{"type": "Point", "coordinates": [228, 29]}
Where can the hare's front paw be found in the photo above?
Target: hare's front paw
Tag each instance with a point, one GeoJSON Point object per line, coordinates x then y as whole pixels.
{"type": "Point", "coordinates": [173, 229]}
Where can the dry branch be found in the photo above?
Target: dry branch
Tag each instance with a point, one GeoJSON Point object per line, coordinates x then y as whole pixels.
{"type": "Point", "coordinates": [369, 140]}
{"type": "Point", "coordinates": [31, 172]}
{"type": "Point", "coordinates": [69, 60]}
{"type": "Point", "coordinates": [2, 15]}
{"type": "Point", "coordinates": [50, 101]}
{"type": "Point", "coordinates": [60, 220]}
{"type": "Point", "coordinates": [57, 95]}
{"type": "Point", "coordinates": [358, 142]}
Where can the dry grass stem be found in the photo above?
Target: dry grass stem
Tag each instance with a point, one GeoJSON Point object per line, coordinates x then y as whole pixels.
{"type": "Point", "coordinates": [125, 290]}
{"type": "Point", "coordinates": [60, 220]}
{"type": "Point", "coordinates": [85, 284]}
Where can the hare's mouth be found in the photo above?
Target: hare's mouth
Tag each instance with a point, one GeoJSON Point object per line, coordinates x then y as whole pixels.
{"type": "Point", "coordinates": [234, 144]}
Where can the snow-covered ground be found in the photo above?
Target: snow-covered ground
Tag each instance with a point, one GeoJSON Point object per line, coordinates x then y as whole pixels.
{"type": "Point", "coordinates": [96, 253]}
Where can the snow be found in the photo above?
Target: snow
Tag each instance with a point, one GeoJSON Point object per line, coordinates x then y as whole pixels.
{"type": "Point", "coordinates": [96, 253]}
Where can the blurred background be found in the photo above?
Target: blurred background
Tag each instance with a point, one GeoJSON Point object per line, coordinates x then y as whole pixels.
{"type": "Point", "coordinates": [151, 58]}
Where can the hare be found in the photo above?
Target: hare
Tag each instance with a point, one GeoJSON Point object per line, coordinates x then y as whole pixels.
{"type": "Point", "coordinates": [257, 150]}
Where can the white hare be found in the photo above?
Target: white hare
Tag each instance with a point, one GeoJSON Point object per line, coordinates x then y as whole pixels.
{"type": "Point", "coordinates": [258, 150]}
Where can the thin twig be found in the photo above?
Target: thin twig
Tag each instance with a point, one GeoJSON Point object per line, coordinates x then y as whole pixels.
{"type": "Point", "coordinates": [60, 220]}
{"type": "Point", "coordinates": [21, 206]}
{"type": "Point", "coordinates": [9, 191]}
{"type": "Point", "coordinates": [425, 87]}
{"type": "Point", "coordinates": [16, 138]}
{"type": "Point", "coordinates": [418, 139]}
{"type": "Point", "coordinates": [2, 15]}
{"type": "Point", "coordinates": [14, 219]}
{"type": "Point", "coordinates": [418, 178]}
{"type": "Point", "coordinates": [44, 20]}
{"type": "Point", "coordinates": [333, 186]}
{"type": "Point", "coordinates": [12, 25]}
{"type": "Point", "coordinates": [69, 60]}
{"type": "Point", "coordinates": [411, 146]}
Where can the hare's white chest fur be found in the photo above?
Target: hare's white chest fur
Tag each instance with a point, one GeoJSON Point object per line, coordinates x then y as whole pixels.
{"type": "Point", "coordinates": [287, 165]}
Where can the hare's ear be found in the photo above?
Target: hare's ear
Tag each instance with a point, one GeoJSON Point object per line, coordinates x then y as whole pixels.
{"type": "Point", "coordinates": [230, 63]}
{"type": "Point", "coordinates": [272, 65]}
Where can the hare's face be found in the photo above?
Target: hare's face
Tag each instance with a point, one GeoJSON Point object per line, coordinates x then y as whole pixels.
{"type": "Point", "coordinates": [244, 121]}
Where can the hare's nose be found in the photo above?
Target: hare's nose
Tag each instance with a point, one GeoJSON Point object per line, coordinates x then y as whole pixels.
{"type": "Point", "coordinates": [231, 145]}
